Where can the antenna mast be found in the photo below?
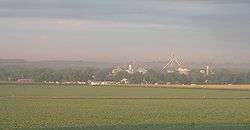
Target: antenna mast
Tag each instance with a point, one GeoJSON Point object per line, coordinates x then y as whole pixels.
{"type": "Point", "coordinates": [172, 61]}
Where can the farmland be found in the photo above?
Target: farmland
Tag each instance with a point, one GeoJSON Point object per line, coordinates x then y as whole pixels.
{"type": "Point", "coordinates": [110, 107]}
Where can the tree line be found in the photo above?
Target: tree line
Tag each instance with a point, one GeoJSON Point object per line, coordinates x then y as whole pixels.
{"type": "Point", "coordinates": [221, 76]}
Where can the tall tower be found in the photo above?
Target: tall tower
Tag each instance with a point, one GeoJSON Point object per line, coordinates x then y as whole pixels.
{"type": "Point", "coordinates": [130, 67]}
{"type": "Point", "coordinates": [175, 64]}
{"type": "Point", "coordinates": [207, 70]}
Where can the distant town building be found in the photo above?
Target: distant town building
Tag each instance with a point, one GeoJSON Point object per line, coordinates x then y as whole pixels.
{"type": "Point", "coordinates": [183, 71]}
{"type": "Point", "coordinates": [202, 71]}
{"type": "Point", "coordinates": [57, 82]}
{"type": "Point", "coordinates": [130, 70]}
{"type": "Point", "coordinates": [24, 81]}
{"type": "Point", "coordinates": [124, 81]}
{"type": "Point", "coordinates": [81, 83]}
{"type": "Point", "coordinates": [95, 83]}
{"type": "Point", "coordinates": [142, 70]}
{"type": "Point", "coordinates": [116, 70]}
{"type": "Point", "coordinates": [107, 83]}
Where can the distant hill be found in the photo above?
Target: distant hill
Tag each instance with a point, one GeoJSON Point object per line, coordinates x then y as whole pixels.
{"type": "Point", "coordinates": [53, 64]}
{"type": "Point", "coordinates": [12, 61]}
{"type": "Point", "coordinates": [60, 64]}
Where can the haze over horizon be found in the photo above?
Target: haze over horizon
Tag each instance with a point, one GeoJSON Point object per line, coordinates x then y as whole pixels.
{"type": "Point", "coordinates": [125, 30]}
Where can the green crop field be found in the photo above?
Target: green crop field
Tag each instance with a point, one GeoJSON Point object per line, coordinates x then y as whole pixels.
{"type": "Point", "coordinates": [111, 108]}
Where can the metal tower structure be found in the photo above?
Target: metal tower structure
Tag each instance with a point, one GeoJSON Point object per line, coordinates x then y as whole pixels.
{"type": "Point", "coordinates": [205, 71]}
{"type": "Point", "coordinates": [174, 63]}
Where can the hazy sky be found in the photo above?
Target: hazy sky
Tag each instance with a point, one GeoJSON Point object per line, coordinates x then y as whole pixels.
{"type": "Point", "coordinates": [117, 30]}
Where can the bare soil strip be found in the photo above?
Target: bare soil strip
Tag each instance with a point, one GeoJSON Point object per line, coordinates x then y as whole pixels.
{"type": "Point", "coordinates": [197, 86]}
{"type": "Point", "coordinates": [126, 98]}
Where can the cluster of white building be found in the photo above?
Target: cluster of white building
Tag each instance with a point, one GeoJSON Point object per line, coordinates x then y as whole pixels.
{"type": "Point", "coordinates": [93, 83]}
{"type": "Point", "coordinates": [130, 70]}
{"type": "Point", "coordinates": [65, 82]}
